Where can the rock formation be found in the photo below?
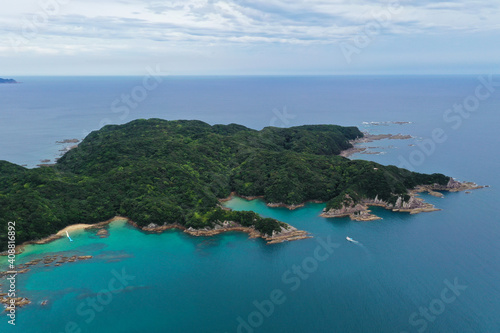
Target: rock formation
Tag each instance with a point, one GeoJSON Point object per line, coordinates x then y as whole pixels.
{"type": "Point", "coordinates": [359, 211]}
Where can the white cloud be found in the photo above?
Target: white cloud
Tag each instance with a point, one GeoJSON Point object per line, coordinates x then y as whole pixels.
{"type": "Point", "coordinates": [258, 20]}
{"type": "Point", "coordinates": [72, 27]}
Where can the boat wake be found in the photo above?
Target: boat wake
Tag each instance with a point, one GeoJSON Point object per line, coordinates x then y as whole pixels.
{"type": "Point", "coordinates": [367, 252]}
{"type": "Point", "coordinates": [352, 240]}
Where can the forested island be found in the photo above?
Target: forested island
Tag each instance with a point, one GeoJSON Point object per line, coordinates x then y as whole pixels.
{"type": "Point", "coordinates": [160, 173]}
{"type": "Point", "coordinates": [7, 80]}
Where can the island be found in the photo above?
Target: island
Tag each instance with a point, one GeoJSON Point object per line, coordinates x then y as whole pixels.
{"type": "Point", "coordinates": [7, 81]}
{"type": "Point", "coordinates": [161, 174]}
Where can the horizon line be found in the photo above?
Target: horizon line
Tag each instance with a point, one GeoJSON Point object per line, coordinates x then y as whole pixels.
{"type": "Point", "coordinates": [243, 75]}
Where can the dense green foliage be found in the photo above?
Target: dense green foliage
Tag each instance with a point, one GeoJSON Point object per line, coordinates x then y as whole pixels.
{"type": "Point", "coordinates": [157, 171]}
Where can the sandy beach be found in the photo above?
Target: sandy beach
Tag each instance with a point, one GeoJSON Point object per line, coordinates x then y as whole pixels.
{"type": "Point", "coordinates": [73, 227]}
{"type": "Point", "coordinates": [76, 227]}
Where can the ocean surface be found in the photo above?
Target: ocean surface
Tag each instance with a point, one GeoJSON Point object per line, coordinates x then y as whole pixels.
{"type": "Point", "coordinates": [432, 272]}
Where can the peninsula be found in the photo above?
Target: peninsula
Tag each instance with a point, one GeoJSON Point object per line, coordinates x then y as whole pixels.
{"type": "Point", "coordinates": [161, 174]}
{"type": "Point", "coordinates": [7, 81]}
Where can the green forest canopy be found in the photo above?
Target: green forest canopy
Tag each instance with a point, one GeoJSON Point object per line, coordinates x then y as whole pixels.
{"type": "Point", "coordinates": [158, 171]}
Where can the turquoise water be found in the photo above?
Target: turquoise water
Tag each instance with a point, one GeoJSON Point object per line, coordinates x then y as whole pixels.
{"type": "Point", "coordinates": [178, 283]}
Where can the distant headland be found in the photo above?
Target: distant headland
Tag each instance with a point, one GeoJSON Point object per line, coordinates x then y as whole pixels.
{"type": "Point", "coordinates": [7, 81]}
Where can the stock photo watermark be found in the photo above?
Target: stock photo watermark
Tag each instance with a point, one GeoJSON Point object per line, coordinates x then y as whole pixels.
{"type": "Point", "coordinates": [283, 116]}
{"type": "Point", "coordinates": [11, 273]}
{"type": "Point", "coordinates": [31, 25]}
{"type": "Point", "coordinates": [139, 93]}
{"type": "Point", "coordinates": [454, 117]}
{"type": "Point", "coordinates": [89, 307]}
{"type": "Point", "coordinates": [428, 314]}
{"type": "Point", "coordinates": [291, 279]}
{"type": "Point", "coordinates": [381, 20]}
{"type": "Point", "coordinates": [131, 99]}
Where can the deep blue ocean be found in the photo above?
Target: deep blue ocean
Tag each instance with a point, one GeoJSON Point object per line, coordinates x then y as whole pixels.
{"type": "Point", "coordinates": [431, 272]}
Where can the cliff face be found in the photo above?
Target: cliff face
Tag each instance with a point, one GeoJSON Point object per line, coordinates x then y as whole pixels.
{"type": "Point", "coordinates": [414, 205]}
{"type": "Point", "coordinates": [400, 204]}
{"type": "Point", "coordinates": [358, 212]}
{"type": "Point", "coordinates": [452, 186]}
{"type": "Point", "coordinates": [345, 210]}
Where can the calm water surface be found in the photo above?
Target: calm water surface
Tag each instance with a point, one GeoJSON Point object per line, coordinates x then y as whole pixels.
{"type": "Point", "coordinates": [177, 283]}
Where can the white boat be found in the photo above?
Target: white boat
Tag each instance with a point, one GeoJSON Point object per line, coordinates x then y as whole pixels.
{"type": "Point", "coordinates": [351, 240]}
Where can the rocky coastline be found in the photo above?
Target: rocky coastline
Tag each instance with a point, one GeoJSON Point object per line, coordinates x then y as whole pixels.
{"type": "Point", "coordinates": [358, 212]}
{"type": "Point", "coordinates": [415, 205]}
{"type": "Point", "coordinates": [286, 234]}
{"type": "Point", "coordinates": [367, 137]}
{"type": "Point", "coordinates": [61, 233]}
{"type": "Point", "coordinates": [452, 186]}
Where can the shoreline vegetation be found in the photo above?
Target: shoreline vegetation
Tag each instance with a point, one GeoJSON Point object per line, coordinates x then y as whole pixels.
{"type": "Point", "coordinates": [171, 174]}
{"type": "Point", "coordinates": [288, 233]}
{"type": "Point", "coordinates": [360, 211]}
{"type": "Point", "coordinates": [357, 212]}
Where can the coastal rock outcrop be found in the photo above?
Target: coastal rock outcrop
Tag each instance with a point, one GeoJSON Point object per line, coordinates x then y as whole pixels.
{"type": "Point", "coordinates": [367, 137]}
{"type": "Point", "coordinates": [359, 211]}
{"type": "Point", "coordinates": [288, 233]}
{"type": "Point", "coordinates": [453, 185]}
{"type": "Point", "coordinates": [413, 206]}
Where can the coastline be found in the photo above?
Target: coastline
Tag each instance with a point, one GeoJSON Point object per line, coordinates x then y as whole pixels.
{"type": "Point", "coordinates": [269, 204]}
{"type": "Point", "coordinates": [62, 233]}
{"type": "Point", "coordinates": [359, 212]}
{"type": "Point", "coordinates": [370, 138]}
{"type": "Point", "coordinates": [289, 234]}
{"type": "Point", "coordinates": [415, 205]}
{"type": "Point", "coordinates": [286, 234]}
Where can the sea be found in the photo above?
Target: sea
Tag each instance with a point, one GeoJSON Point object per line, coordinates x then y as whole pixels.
{"type": "Point", "coordinates": [430, 272]}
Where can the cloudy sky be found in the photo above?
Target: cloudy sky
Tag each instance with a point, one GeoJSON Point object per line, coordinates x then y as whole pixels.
{"type": "Point", "coordinates": [260, 37]}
